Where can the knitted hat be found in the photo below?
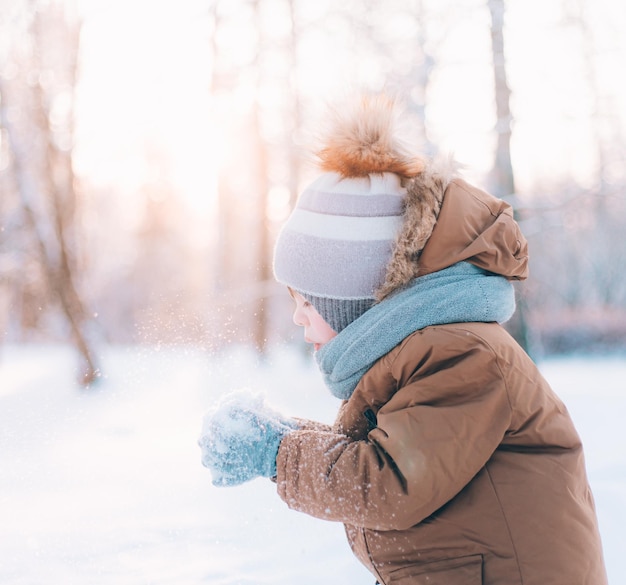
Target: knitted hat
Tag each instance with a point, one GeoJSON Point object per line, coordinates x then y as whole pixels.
{"type": "Point", "coordinates": [336, 246]}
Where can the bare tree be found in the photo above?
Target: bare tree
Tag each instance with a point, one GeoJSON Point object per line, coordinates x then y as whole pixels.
{"type": "Point", "coordinates": [41, 158]}
{"type": "Point", "coordinates": [264, 136]}
{"type": "Point", "coordinates": [502, 179]}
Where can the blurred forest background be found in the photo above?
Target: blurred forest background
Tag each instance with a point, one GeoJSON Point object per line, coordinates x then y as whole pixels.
{"type": "Point", "coordinates": [151, 149]}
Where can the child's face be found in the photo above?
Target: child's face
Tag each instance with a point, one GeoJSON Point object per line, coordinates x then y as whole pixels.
{"type": "Point", "coordinates": [316, 330]}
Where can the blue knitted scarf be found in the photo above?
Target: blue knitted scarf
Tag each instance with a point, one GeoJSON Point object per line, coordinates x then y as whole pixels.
{"type": "Point", "coordinates": [461, 293]}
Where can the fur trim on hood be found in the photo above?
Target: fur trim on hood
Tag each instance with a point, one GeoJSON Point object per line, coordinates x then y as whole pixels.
{"type": "Point", "coordinates": [422, 204]}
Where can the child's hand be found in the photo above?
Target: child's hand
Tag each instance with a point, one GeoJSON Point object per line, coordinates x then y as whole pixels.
{"type": "Point", "coordinates": [240, 439]}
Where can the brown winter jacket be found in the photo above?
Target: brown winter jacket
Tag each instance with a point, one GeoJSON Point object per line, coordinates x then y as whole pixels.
{"type": "Point", "coordinates": [453, 462]}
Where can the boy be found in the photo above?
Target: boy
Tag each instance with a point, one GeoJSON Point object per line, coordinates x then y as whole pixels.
{"type": "Point", "coordinates": [451, 461]}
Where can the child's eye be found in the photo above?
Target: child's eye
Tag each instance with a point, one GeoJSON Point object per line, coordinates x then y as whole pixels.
{"type": "Point", "coordinates": [306, 304]}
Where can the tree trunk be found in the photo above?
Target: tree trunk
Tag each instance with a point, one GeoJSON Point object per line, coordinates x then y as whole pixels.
{"type": "Point", "coordinates": [45, 185]}
{"type": "Point", "coordinates": [261, 183]}
{"type": "Point", "coordinates": [502, 179]}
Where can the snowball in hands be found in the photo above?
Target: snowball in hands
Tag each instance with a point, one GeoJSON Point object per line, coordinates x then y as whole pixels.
{"type": "Point", "coordinates": [240, 438]}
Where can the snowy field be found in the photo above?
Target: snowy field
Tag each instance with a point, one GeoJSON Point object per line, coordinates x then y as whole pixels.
{"type": "Point", "coordinates": [105, 486]}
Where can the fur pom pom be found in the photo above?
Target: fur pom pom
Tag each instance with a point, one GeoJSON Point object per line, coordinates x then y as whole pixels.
{"type": "Point", "coordinates": [368, 137]}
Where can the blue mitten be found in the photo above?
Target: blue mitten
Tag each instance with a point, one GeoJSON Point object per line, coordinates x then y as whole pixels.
{"type": "Point", "coordinates": [240, 439]}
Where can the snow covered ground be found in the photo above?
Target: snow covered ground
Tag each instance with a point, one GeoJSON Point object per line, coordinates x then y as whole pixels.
{"type": "Point", "coordinates": [105, 486]}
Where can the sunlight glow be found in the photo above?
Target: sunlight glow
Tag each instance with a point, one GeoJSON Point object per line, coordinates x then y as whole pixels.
{"type": "Point", "coordinates": [144, 83]}
{"type": "Point", "coordinates": [146, 68]}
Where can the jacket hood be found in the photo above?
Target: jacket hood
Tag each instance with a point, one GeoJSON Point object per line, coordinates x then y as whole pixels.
{"type": "Point", "coordinates": [476, 227]}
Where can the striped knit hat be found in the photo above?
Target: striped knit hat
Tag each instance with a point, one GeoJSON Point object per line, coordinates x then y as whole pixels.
{"type": "Point", "coordinates": [335, 247]}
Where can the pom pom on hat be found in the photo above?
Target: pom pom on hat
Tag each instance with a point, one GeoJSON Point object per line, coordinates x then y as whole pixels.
{"type": "Point", "coordinates": [368, 137]}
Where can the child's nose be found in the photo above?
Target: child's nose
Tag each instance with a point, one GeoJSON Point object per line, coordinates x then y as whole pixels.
{"type": "Point", "coordinates": [298, 318]}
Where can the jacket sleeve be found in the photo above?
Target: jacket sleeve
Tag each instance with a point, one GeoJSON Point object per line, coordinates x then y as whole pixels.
{"type": "Point", "coordinates": [311, 425]}
{"type": "Point", "coordinates": [434, 435]}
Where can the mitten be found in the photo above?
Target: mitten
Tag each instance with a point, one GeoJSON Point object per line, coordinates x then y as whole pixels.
{"type": "Point", "coordinates": [240, 439]}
